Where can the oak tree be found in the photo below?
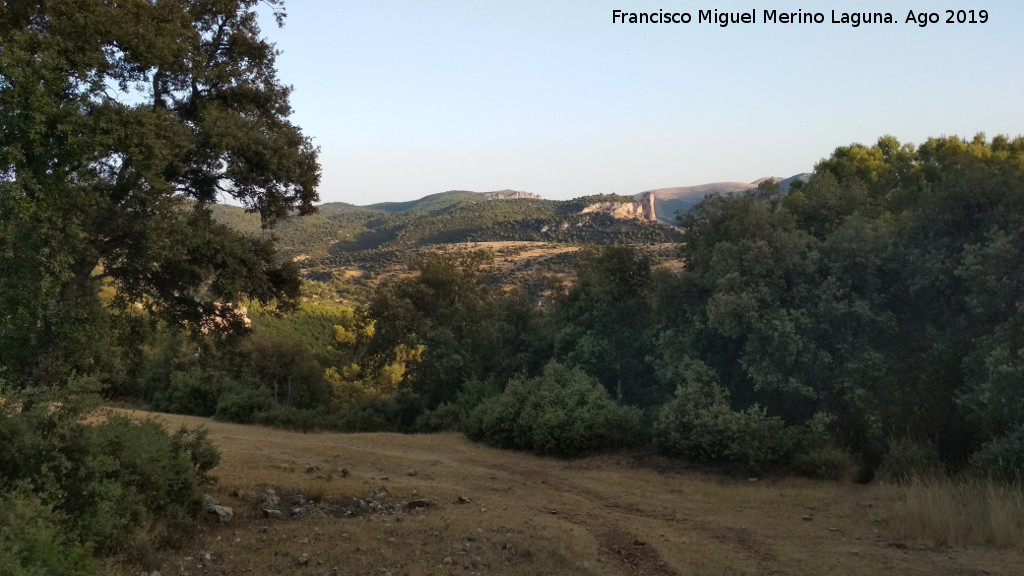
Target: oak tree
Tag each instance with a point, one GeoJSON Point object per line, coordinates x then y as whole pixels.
{"type": "Point", "coordinates": [120, 124]}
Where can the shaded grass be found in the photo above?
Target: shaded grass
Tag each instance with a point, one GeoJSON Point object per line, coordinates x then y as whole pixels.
{"type": "Point", "coordinates": [961, 512]}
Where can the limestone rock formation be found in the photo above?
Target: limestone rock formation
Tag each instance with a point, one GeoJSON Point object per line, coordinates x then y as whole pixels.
{"type": "Point", "coordinates": [643, 209]}
{"type": "Point", "coordinates": [511, 195]}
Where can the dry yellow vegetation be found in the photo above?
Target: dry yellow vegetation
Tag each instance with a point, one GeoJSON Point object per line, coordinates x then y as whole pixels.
{"type": "Point", "coordinates": [454, 507]}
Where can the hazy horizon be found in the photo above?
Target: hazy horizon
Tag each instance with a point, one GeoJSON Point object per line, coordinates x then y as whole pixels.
{"type": "Point", "coordinates": [408, 99]}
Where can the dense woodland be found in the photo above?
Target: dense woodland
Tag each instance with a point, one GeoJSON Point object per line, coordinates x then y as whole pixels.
{"type": "Point", "coordinates": [871, 318]}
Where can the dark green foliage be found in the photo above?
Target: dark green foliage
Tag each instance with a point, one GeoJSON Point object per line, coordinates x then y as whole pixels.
{"type": "Point", "coordinates": [885, 291]}
{"type": "Point", "coordinates": [824, 463]}
{"type": "Point", "coordinates": [242, 405]}
{"type": "Point", "coordinates": [196, 391]}
{"type": "Point", "coordinates": [453, 415]}
{"type": "Point", "coordinates": [93, 486]}
{"type": "Point", "coordinates": [699, 424]}
{"type": "Point", "coordinates": [563, 412]}
{"type": "Point", "coordinates": [34, 540]}
{"type": "Point", "coordinates": [120, 126]}
{"type": "Point", "coordinates": [910, 459]}
{"type": "Point", "coordinates": [469, 331]}
{"type": "Point", "coordinates": [1002, 457]}
{"type": "Point", "coordinates": [601, 324]}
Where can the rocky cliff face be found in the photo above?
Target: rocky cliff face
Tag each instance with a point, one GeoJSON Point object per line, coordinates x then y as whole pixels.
{"type": "Point", "coordinates": [647, 206]}
{"type": "Point", "coordinates": [642, 209]}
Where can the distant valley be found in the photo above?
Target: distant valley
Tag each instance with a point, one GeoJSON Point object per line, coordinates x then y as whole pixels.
{"type": "Point", "coordinates": [369, 242]}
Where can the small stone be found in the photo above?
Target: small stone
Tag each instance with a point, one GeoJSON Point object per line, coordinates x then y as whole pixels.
{"type": "Point", "coordinates": [447, 560]}
{"type": "Point", "coordinates": [272, 513]}
{"type": "Point", "coordinates": [411, 472]}
{"type": "Point", "coordinates": [808, 517]}
{"type": "Point", "coordinates": [463, 500]}
{"type": "Point", "coordinates": [302, 560]}
{"type": "Point", "coordinates": [223, 513]}
{"type": "Point", "coordinates": [269, 499]}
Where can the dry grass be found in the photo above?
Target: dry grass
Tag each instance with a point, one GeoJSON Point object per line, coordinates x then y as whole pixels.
{"type": "Point", "coordinates": [958, 512]}
{"type": "Point", "coordinates": [620, 514]}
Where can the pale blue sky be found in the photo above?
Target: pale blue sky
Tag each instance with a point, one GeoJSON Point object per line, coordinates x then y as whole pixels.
{"type": "Point", "coordinates": [409, 98]}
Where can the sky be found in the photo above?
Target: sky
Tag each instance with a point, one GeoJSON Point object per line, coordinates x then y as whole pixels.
{"type": "Point", "coordinates": [410, 98]}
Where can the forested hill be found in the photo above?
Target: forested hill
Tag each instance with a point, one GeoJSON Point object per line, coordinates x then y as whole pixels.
{"type": "Point", "coordinates": [341, 234]}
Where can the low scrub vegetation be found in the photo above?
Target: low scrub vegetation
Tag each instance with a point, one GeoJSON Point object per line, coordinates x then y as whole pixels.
{"type": "Point", "coordinates": [71, 489]}
{"type": "Point", "coordinates": [563, 412]}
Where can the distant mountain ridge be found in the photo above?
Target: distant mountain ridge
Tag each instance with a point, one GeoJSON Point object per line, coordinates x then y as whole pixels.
{"type": "Point", "coordinates": [670, 201]}
{"type": "Point", "coordinates": [343, 234]}
{"type": "Point", "coordinates": [667, 201]}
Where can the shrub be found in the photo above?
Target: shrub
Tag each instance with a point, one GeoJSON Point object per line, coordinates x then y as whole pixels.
{"type": "Point", "coordinates": [447, 416]}
{"type": "Point", "coordinates": [1002, 458]}
{"type": "Point", "coordinates": [242, 405]}
{"type": "Point", "coordinates": [907, 458]}
{"type": "Point", "coordinates": [699, 424]}
{"type": "Point", "coordinates": [452, 415]}
{"type": "Point", "coordinates": [824, 463]}
{"type": "Point", "coordinates": [196, 391]}
{"type": "Point", "coordinates": [93, 487]}
{"type": "Point", "coordinates": [563, 412]}
{"type": "Point", "coordinates": [33, 541]}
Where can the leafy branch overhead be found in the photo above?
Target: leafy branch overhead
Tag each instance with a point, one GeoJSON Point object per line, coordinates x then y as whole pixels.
{"type": "Point", "coordinates": [121, 123]}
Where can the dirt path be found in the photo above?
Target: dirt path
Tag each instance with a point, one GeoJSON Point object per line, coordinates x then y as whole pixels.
{"type": "Point", "coordinates": [484, 511]}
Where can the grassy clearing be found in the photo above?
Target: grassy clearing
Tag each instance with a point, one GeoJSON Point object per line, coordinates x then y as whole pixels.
{"type": "Point", "coordinates": [961, 512]}
{"type": "Point", "coordinates": [496, 512]}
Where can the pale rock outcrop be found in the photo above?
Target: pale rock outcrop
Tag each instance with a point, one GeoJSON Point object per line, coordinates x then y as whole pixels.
{"type": "Point", "coordinates": [639, 210]}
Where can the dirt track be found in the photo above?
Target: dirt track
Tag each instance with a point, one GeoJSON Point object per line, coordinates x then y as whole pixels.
{"type": "Point", "coordinates": [496, 512]}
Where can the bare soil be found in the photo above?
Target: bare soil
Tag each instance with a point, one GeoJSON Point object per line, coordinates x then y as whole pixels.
{"type": "Point", "coordinates": [380, 504]}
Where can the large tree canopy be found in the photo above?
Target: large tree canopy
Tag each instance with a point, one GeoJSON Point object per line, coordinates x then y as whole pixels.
{"type": "Point", "coordinates": [120, 122]}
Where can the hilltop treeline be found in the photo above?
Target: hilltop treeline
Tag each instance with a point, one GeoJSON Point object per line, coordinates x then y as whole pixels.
{"type": "Point", "coordinates": [342, 234]}
{"type": "Point", "coordinates": [872, 315]}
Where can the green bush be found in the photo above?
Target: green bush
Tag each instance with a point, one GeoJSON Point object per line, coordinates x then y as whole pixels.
{"type": "Point", "coordinates": [699, 424]}
{"type": "Point", "coordinates": [452, 415]}
{"type": "Point", "coordinates": [242, 405]}
{"type": "Point", "coordinates": [824, 463]}
{"type": "Point", "coordinates": [196, 392]}
{"type": "Point", "coordinates": [563, 412]}
{"type": "Point", "coordinates": [1002, 458]}
{"type": "Point", "coordinates": [907, 459]}
{"type": "Point", "coordinates": [33, 541]}
{"type": "Point", "coordinates": [93, 487]}
{"type": "Point", "coordinates": [447, 416]}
